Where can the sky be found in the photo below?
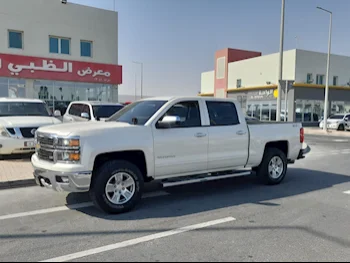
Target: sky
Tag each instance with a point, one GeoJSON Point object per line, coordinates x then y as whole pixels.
{"type": "Point", "coordinates": [176, 39]}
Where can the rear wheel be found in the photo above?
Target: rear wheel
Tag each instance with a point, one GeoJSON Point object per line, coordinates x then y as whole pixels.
{"type": "Point", "coordinates": [273, 167]}
{"type": "Point", "coordinates": [117, 187]}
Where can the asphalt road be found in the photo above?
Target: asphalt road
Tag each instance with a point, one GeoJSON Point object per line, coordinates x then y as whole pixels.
{"type": "Point", "coordinates": [306, 218]}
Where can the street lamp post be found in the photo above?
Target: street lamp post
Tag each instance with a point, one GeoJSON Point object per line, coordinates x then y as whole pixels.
{"type": "Point", "coordinates": [141, 64]}
{"type": "Point", "coordinates": [280, 68]}
{"type": "Point", "coordinates": [325, 114]}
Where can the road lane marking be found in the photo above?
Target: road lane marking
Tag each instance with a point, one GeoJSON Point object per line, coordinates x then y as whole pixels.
{"type": "Point", "coordinates": [347, 192]}
{"type": "Point", "coordinates": [69, 207]}
{"type": "Point", "coordinates": [139, 240]}
{"type": "Point", "coordinates": [340, 140]}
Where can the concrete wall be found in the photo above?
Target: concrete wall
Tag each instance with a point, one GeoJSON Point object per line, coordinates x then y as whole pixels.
{"type": "Point", "coordinates": [207, 82]}
{"type": "Point", "coordinates": [316, 63]}
{"type": "Point", "coordinates": [39, 19]}
{"type": "Point", "coordinates": [257, 71]}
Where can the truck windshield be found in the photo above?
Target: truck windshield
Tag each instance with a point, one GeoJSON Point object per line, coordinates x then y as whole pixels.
{"type": "Point", "coordinates": [141, 111]}
{"type": "Point", "coordinates": [23, 109]}
{"type": "Point", "coordinates": [105, 111]}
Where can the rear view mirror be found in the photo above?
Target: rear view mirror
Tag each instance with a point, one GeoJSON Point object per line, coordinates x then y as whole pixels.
{"type": "Point", "coordinates": [168, 121]}
{"type": "Point", "coordinates": [85, 115]}
{"type": "Point", "coordinates": [57, 113]}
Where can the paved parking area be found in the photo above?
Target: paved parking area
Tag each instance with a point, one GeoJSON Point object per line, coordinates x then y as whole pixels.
{"type": "Point", "coordinates": [306, 218]}
{"type": "Point", "coordinates": [15, 169]}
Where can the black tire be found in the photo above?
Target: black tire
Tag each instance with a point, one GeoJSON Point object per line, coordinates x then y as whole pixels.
{"type": "Point", "coordinates": [263, 169]}
{"type": "Point", "coordinates": [101, 178]}
{"type": "Point", "coordinates": [341, 127]}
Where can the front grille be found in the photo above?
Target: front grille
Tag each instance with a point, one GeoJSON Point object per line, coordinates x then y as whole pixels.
{"type": "Point", "coordinates": [28, 132]}
{"type": "Point", "coordinates": [46, 147]}
{"type": "Point", "coordinates": [42, 140]}
{"type": "Point", "coordinates": [45, 155]}
{"type": "Point", "coordinates": [11, 130]}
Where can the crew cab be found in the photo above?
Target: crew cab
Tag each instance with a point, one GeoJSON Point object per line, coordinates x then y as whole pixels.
{"type": "Point", "coordinates": [82, 111]}
{"type": "Point", "coordinates": [19, 119]}
{"type": "Point", "coordinates": [172, 140]}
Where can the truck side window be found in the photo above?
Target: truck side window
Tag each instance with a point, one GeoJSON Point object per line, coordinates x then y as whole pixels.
{"type": "Point", "coordinates": [222, 113]}
{"type": "Point", "coordinates": [189, 113]}
{"type": "Point", "coordinates": [76, 110]}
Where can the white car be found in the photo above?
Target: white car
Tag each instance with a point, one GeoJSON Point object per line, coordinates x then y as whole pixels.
{"type": "Point", "coordinates": [19, 120]}
{"type": "Point", "coordinates": [82, 111]}
{"type": "Point", "coordinates": [337, 121]}
{"type": "Point", "coordinates": [174, 140]}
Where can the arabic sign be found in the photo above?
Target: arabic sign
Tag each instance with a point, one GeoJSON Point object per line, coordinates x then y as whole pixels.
{"type": "Point", "coordinates": [261, 94]}
{"type": "Point", "coordinates": [59, 70]}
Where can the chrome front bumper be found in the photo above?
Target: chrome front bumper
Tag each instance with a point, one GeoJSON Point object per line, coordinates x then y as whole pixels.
{"type": "Point", "coordinates": [63, 182]}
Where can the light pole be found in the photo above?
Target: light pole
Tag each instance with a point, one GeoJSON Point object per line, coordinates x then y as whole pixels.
{"type": "Point", "coordinates": [325, 114]}
{"type": "Point", "coordinates": [280, 69]}
{"type": "Point", "coordinates": [141, 64]}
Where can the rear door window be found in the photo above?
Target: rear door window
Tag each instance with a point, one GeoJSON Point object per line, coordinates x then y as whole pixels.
{"type": "Point", "coordinates": [222, 113]}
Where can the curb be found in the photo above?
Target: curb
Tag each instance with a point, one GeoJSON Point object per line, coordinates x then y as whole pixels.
{"type": "Point", "coordinates": [328, 133]}
{"type": "Point", "coordinates": [17, 184]}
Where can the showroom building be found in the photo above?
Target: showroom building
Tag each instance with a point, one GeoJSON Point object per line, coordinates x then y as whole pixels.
{"type": "Point", "coordinates": [252, 79]}
{"type": "Point", "coordinates": [58, 52]}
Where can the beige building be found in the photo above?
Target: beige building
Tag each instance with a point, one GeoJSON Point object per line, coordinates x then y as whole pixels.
{"type": "Point", "coordinates": [62, 52]}
{"type": "Point", "coordinates": [253, 81]}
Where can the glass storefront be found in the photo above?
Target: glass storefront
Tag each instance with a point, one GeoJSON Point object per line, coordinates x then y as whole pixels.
{"type": "Point", "coordinates": [264, 110]}
{"type": "Point", "coordinates": [309, 110]}
{"type": "Point", "coordinates": [56, 94]}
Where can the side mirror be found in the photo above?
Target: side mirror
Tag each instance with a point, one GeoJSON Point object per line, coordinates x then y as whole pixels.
{"type": "Point", "coordinates": [346, 119]}
{"type": "Point", "coordinates": [168, 121]}
{"type": "Point", "coordinates": [85, 115]}
{"type": "Point", "coordinates": [57, 113]}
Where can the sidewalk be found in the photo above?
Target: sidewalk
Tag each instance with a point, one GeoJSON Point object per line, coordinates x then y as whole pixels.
{"type": "Point", "coordinates": [16, 173]}
{"type": "Point", "coordinates": [318, 131]}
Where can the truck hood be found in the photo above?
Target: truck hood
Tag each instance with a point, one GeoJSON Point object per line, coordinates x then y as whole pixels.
{"type": "Point", "coordinates": [82, 128]}
{"type": "Point", "coordinates": [27, 121]}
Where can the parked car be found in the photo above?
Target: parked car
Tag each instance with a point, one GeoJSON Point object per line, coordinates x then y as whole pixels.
{"type": "Point", "coordinates": [19, 120]}
{"type": "Point", "coordinates": [174, 140]}
{"type": "Point", "coordinates": [80, 111]}
{"type": "Point", "coordinates": [337, 121]}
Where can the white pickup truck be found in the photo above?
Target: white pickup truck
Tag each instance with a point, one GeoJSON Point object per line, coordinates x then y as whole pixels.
{"type": "Point", "coordinates": [173, 140]}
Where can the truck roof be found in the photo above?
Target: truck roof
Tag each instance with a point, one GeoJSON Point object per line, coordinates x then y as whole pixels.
{"type": "Point", "coordinates": [20, 100]}
{"type": "Point", "coordinates": [186, 98]}
{"type": "Point", "coordinates": [97, 103]}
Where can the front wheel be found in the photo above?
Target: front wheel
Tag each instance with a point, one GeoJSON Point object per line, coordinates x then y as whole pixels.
{"type": "Point", "coordinates": [273, 167]}
{"type": "Point", "coordinates": [117, 187]}
{"type": "Point", "coordinates": [341, 127]}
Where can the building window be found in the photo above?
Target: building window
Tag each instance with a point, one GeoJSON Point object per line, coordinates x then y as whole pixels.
{"type": "Point", "coordinates": [59, 45]}
{"type": "Point", "coordinates": [239, 83]}
{"type": "Point", "coordinates": [335, 80]}
{"type": "Point", "coordinates": [320, 79]}
{"type": "Point", "coordinates": [220, 68]}
{"type": "Point", "coordinates": [15, 39]}
{"type": "Point", "coordinates": [309, 79]}
{"type": "Point", "coordinates": [86, 48]}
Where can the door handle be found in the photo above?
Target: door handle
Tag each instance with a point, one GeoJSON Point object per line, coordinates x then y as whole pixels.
{"type": "Point", "coordinates": [200, 135]}
{"type": "Point", "coordinates": [240, 132]}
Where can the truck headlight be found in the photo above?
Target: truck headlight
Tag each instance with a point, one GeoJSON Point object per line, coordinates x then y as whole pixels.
{"type": "Point", "coordinates": [69, 143]}
{"type": "Point", "coordinates": [4, 132]}
{"type": "Point", "coordinates": [68, 156]}
{"type": "Point", "coordinates": [68, 150]}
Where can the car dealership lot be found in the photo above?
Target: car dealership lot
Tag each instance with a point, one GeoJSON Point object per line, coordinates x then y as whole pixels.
{"type": "Point", "coordinates": [304, 218]}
